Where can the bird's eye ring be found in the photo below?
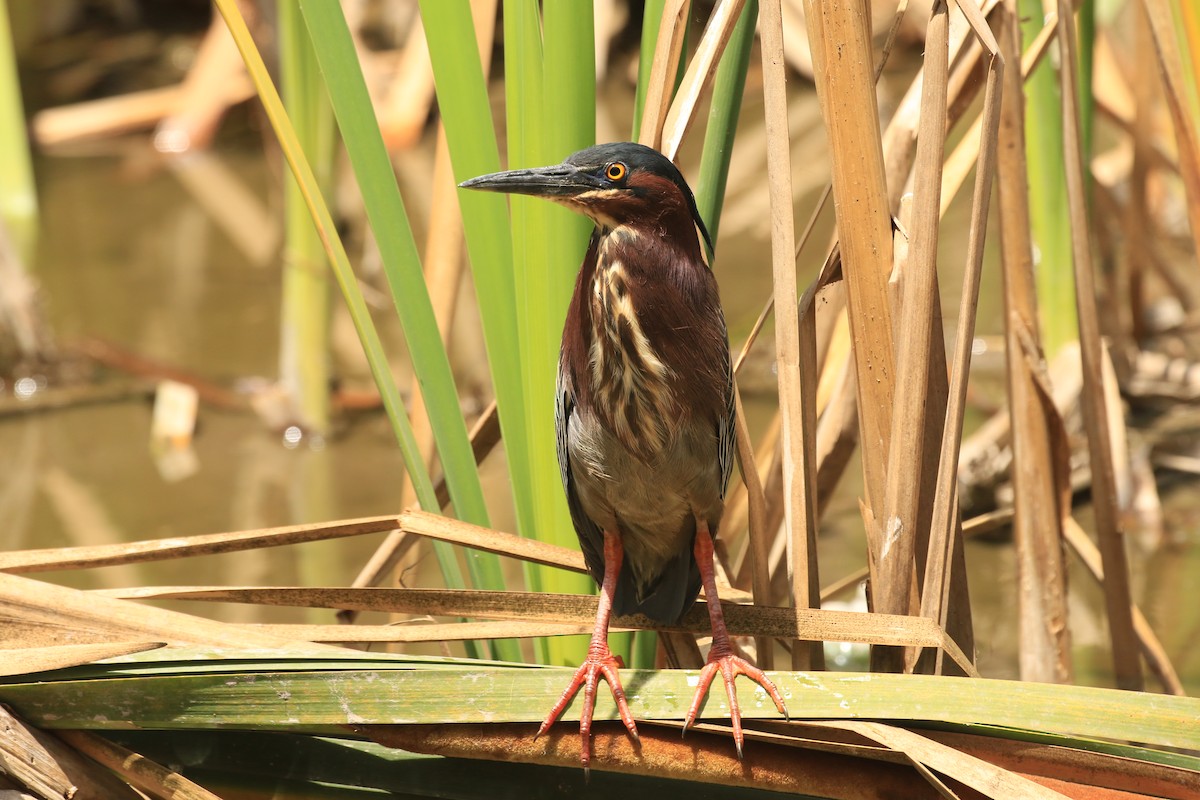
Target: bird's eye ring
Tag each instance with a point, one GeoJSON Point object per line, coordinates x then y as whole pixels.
{"type": "Point", "coordinates": [615, 171]}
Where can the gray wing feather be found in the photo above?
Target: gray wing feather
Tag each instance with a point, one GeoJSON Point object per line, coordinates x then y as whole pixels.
{"type": "Point", "coordinates": [591, 538]}
{"type": "Point", "coordinates": [726, 425]}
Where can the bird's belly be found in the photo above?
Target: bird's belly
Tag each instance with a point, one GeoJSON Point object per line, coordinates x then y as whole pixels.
{"type": "Point", "coordinates": [654, 505]}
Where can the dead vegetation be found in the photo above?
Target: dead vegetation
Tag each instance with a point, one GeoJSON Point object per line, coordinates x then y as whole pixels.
{"type": "Point", "coordinates": [862, 365]}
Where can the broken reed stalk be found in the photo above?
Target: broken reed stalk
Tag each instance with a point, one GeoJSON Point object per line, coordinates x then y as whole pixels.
{"type": "Point", "coordinates": [1151, 647]}
{"type": "Point", "coordinates": [25, 762]}
{"type": "Point", "coordinates": [42, 763]}
{"type": "Point", "coordinates": [805, 624]}
{"type": "Point", "coordinates": [138, 770]}
{"type": "Point", "coordinates": [945, 541]}
{"type": "Point", "coordinates": [1117, 595]}
{"type": "Point", "coordinates": [908, 463]}
{"type": "Point", "coordinates": [53, 609]}
{"type": "Point", "coordinates": [846, 91]}
{"type": "Point", "coordinates": [802, 542]}
{"type": "Point", "coordinates": [832, 381]}
{"type": "Point", "coordinates": [794, 394]}
{"type": "Point", "coordinates": [962, 161]}
{"type": "Point", "coordinates": [900, 135]}
{"type": "Point", "coordinates": [1045, 638]}
{"type": "Point", "coordinates": [901, 139]}
{"type": "Point", "coordinates": [823, 200]}
{"type": "Point", "coordinates": [831, 375]}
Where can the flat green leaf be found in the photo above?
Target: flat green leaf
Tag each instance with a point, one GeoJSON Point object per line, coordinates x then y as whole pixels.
{"type": "Point", "coordinates": [315, 701]}
{"type": "Point", "coordinates": [347, 89]}
{"type": "Point", "coordinates": [334, 249]}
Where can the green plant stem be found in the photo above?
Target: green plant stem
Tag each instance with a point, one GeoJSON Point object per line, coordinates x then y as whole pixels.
{"type": "Point", "coordinates": [568, 117]}
{"type": "Point", "coordinates": [305, 317]}
{"type": "Point", "coordinates": [464, 106]}
{"type": "Point", "coordinates": [644, 650]}
{"type": "Point", "coordinates": [1048, 196]}
{"type": "Point", "coordinates": [728, 86]}
{"type": "Point", "coordinates": [18, 193]}
{"type": "Point", "coordinates": [347, 282]}
{"type": "Point", "coordinates": [524, 90]}
{"type": "Point", "coordinates": [352, 106]}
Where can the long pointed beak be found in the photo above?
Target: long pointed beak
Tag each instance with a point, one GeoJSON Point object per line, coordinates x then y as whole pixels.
{"type": "Point", "coordinates": [560, 180]}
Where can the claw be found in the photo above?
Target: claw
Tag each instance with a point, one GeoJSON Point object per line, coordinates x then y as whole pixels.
{"type": "Point", "coordinates": [720, 656]}
{"type": "Point", "coordinates": [730, 666]}
{"type": "Point", "coordinates": [600, 662]}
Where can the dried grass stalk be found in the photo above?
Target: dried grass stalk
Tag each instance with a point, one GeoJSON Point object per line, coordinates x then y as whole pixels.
{"type": "Point", "coordinates": [908, 464]}
{"type": "Point", "coordinates": [1187, 140]}
{"type": "Point", "coordinates": [59, 558]}
{"type": "Point", "coordinates": [140, 771]}
{"type": "Point", "coordinates": [51, 769]}
{"type": "Point", "coordinates": [945, 541]}
{"type": "Point", "coordinates": [961, 162]}
{"type": "Point", "coordinates": [796, 395]}
{"type": "Point", "coordinates": [416, 631]}
{"type": "Point", "coordinates": [662, 72]}
{"type": "Point", "coordinates": [52, 611]}
{"type": "Point", "coordinates": [1117, 594]}
{"type": "Point", "coordinates": [847, 96]}
{"type": "Point", "coordinates": [812, 625]}
{"type": "Point", "coordinates": [25, 760]}
{"type": "Point", "coordinates": [1151, 646]}
{"type": "Point", "coordinates": [698, 77]}
{"type": "Point", "coordinates": [1039, 472]}
{"type": "Point", "coordinates": [758, 532]}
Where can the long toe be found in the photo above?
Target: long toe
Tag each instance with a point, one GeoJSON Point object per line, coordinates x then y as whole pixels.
{"type": "Point", "coordinates": [588, 677]}
{"type": "Point", "coordinates": [730, 666]}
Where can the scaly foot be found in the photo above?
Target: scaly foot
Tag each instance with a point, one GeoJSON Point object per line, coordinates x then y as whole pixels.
{"type": "Point", "coordinates": [730, 666]}
{"type": "Point", "coordinates": [720, 655]}
{"type": "Point", "coordinates": [599, 662]}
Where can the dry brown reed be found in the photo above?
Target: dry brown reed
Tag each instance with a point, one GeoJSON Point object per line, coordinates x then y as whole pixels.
{"type": "Point", "coordinates": [861, 364]}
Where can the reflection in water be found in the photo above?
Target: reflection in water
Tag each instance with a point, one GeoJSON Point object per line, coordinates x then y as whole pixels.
{"type": "Point", "coordinates": [18, 482]}
{"type": "Point", "coordinates": [81, 512]}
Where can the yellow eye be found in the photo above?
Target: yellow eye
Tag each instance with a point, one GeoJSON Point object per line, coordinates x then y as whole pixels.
{"type": "Point", "coordinates": [615, 171]}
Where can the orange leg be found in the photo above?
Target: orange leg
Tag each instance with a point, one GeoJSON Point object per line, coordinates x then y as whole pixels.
{"type": "Point", "coordinates": [600, 660]}
{"type": "Point", "coordinates": [720, 655]}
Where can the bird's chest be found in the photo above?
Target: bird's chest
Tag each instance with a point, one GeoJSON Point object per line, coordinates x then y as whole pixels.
{"type": "Point", "coordinates": [631, 382]}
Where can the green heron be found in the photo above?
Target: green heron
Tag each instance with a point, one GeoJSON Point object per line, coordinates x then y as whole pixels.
{"type": "Point", "coordinates": [644, 408]}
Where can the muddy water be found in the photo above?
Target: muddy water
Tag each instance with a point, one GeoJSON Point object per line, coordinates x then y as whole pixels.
{"type": "Point", "coordinates": [128, 255]}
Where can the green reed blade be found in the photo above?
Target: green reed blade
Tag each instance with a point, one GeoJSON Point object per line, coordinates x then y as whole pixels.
{"type": "Point", "coordinates": [343, 273]}
{"type": "Point", "coordinates": [352, 106]}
